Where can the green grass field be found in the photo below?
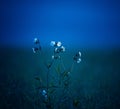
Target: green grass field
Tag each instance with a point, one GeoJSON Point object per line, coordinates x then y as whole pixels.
{"type": "Point", "coordinates": [95, 80]}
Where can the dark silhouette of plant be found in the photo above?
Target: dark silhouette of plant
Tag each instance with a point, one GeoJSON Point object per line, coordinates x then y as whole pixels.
{"type": "Point", "coordinates": [56, 94]}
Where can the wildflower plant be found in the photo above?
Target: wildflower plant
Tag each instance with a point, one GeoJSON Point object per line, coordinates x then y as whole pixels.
{"type": "Point", "coordinates": [37, 46]}
{"type": "Point", "coordinates": [56, 94]}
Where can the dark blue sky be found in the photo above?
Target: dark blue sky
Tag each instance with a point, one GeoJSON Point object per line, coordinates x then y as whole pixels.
{"type": "Point", "coordinates": [75, 23]}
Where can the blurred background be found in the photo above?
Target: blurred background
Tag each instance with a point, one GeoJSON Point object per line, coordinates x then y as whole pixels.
{"type": "Point", "coordinates": [93, 27]}
{"type": "Point", "coordinates": [78, 23]}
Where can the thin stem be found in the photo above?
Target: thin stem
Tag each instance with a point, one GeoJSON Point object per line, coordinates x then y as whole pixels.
{"type": "Point", "coordinates": [63, 64]}
{"type": "Point", "coordinates": [71, 68]}
{"type": "Point", "coordinates": [48, 100]}
{"type": "Point", "coordinates": [48, 75]}
{"type": "Point", "coordinates": [48, 67]}
{"type": "Point", "coordinates": [42, 56]}
{"type": "Point", "coordinates": [48, 79]}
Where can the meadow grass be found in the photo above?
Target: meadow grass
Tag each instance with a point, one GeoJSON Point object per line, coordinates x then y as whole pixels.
{"type": "Point", "coordinates": [95, 81]}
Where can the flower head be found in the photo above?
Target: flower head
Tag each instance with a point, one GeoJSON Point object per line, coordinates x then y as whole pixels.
{"type": "Point", "coordinates": [62, 49]}
{"type": "Point", "coordinates": [52, 43]}
{"type": "Point", "coordinates": [37, 45]}
{"type": "Point", "coordinates": [55, 44]}
{"type": "Point", "coordinates": [77, 57]}
{"type": "Point", "coordinates": [44, 93]}
{"type": "Point", "coordinates": [78, 60]}
{"type": "Point", "coordinates": [35, 49]}
{"type": "Point", "coordinates": [36, 41]}
{"type": "Point", "coordinates": [58, 48]}
{"type": "Point", "coordinates": [79, 53]}
{"type": "Point", "coordinates": [58, 44]}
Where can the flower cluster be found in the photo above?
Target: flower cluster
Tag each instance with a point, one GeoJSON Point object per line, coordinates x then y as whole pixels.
{"type": "Point", "coordinates": [44, 93]}
{"type": "Point", "coordinates": [77, 57]}
{"type": "Point", "coordinates": [37, 46]}
{"type": "Point", "coordinates": [58, 48]}
{"type": "Point", "coordinates": [55, 44]}
{"type": "Point", "coordinates": [63, 78]}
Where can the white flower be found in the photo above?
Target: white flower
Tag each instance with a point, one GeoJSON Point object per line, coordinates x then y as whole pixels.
{"type": "Point", "coordinates": [56, 50]}
{"type": "Point", "coordinates": [79, 53]}
{"type": "Point", "coordinates": [35, 49]}
{"type": "Point", "coordinates": [44, 92]}
{"type": "Point", "coordinates": [55, 44]}
{"type": "Point", "coordinates": [36, 40]}
{"type": "Point", "coordinates": [77, 57]}
{"type": "Point", "coordinates": [78, 60]}
{"type": "Point", "coordinates": [53, 56]}
{"type": "Point", "coordinates": [59, 44]}
{"type": "Point", "coordinates": [62, 48]}
{"type": "Point", "coordinates": [52, 43]}
{"type": "Point", "coordinates": [59, 50]}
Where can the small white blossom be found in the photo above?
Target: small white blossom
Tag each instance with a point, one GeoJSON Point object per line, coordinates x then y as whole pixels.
{"type": "Point", "coordinates": [36, 40]}
{"type": "Point", "coordinates": [79, 60]}
{"type": "Point", "coordinates": [59, 50]}
{"type": "Point", "coordinates": [35, 49]}
{"type": "Point", "coordinates": [59, 44]}
{"type": "Point", "coordinates": [52, 43]}
{"type": "Point", "coordinates": [44, 93]}
{"type": "Point", "coordinates": [62, 48]}
{"type": "Point", "coordinates": [79, 53]}
{"type": "Point", "coordinates": [55, 44]}
{"type": "Point", "coordinates": [53, 56]}
{"type": "Point", "coordinates": [56, 50]}
{"type": "Point", "coordinates": [77, 57]}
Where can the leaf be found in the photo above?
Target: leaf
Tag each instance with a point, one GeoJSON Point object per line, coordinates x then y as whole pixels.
{"type": "Point", "coordinates": [52, 85]}
{"type": "Point", "coordinates": [66, 83]}
{"type": "Point", "coordinates": [58, 69]}
{"type": "Point", "coordinates": [65, 74]}
{"type": "Point", "coordinates": [75, 102]}
{"type": "Point", "coordinates": [48, 64]}
{"type": "Point", "coordinates": [38, 78]}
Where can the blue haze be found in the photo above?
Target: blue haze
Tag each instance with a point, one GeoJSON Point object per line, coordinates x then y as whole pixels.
{"type": "Point", "coordinates": [83, 24]}
{"type": "Point", "coordinates": [75, 23]}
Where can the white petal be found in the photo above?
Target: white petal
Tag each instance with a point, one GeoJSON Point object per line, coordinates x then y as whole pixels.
{"type": "Point", "coordinates": [44, 92]}
{"type": "Point", "coordinates": [52, 43]}
{"type": "Point", "coordinates": [59, 44]}
{"type": "Point", "coordinates": [36, 40]}
{"type": "Point", "coordinates": [79, 60]}
{"type": "Point", "coordinates": [34, 51]}
{"type": "Point", "coordinates": [79, 53]}
{"type": "Point", "coordinates": [53, 57]}
{"type": "Point", "coordinates": [56, 50]}
{"type": "Point", "coordinates": [63, 48]}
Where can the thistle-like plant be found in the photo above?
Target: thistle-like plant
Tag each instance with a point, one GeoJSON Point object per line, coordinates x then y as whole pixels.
{"type": "Point", "coordinates": [56, 93]}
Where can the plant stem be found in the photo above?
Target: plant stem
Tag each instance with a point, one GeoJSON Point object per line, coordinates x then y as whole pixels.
{"type": "Point", "coordinates": [48, 80]}
{"type": "Point", "coordinates": [48, 75]}
{"type": "Point", "coordinates": [71, 68]}
{"type": "Point", "coordinates": [63, 64]}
